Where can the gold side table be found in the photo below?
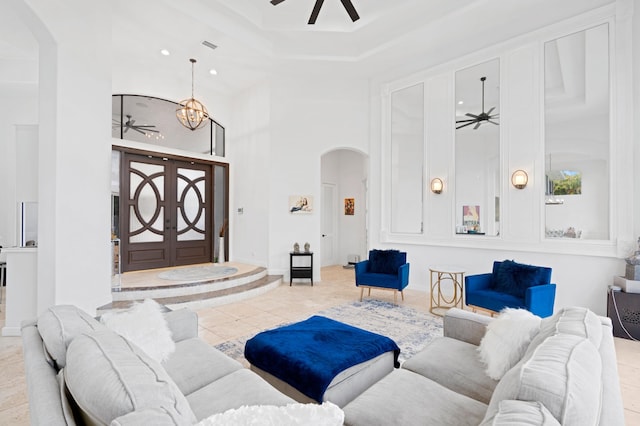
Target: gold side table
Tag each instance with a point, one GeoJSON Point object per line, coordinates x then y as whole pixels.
{"type": "Point", "coordinates": [446, 288]}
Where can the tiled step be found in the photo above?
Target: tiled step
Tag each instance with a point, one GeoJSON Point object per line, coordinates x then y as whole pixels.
{"type": "Point", "coordinates": [187, 288]}
{"type": "Point", "coordinates": [198, 294]}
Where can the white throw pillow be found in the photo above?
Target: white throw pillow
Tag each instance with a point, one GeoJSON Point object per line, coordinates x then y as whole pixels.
{"type": "Point", "coordinates": [145, 326]}
{"type": "Point", "coordinates": [507, 339]}
{"type": "Point", "coordinates": [296, 414]}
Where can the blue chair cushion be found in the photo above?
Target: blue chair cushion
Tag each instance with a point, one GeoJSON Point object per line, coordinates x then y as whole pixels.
{"type": "Point", "coordinates": [494, 300]}
{"type": "Point", "coordinates": [514, 278]}
{"type": "Point", "coordinates": [378, 280]}
{"type": "Point", "coordinates": [386, 261]}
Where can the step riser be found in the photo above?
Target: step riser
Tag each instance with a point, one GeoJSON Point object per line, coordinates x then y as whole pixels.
{"type": "Point", "coordinates": [184, 290]}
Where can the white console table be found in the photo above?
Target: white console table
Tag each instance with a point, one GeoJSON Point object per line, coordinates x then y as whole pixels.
{"type": "Point", "coordinates": [21, 293]}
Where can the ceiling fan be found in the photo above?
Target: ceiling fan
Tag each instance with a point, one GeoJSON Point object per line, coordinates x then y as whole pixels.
{"type": "Point", "coordinates": [351, 10]}
{"type": "Point", "coordinates": [130, 124]}
{"type": "Point", "coordinates": [483, 117]}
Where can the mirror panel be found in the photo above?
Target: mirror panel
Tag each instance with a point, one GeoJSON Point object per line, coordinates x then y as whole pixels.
{"type": "Point", "coordinates": [577, 135]}
{"type": "Point", "coordinates": [477, 149]}
{"type": "Point", "coordinates": [407, 159]}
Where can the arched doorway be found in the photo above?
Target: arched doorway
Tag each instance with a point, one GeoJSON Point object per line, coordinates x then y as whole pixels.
{"type": "Point", "coordinates": [344, 176]}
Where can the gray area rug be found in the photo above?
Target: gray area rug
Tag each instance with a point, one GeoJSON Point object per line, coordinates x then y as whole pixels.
{"type": "Point", "coordinates": [198, 273]}
{"type": "Point", "coordinates": [410, 329]}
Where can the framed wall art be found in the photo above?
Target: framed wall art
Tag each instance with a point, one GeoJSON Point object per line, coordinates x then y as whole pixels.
{"type": "Point", "coordinates": [349, 206]}
{"type": "Point", "coordinates": [300, 204]}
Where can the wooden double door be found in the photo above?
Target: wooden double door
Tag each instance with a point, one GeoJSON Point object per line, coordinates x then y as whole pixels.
{"type": "Point", "coordinates": [165, 211]}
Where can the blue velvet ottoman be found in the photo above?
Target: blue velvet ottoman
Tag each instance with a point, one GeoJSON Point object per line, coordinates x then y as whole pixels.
{"type": "Point", "coordinates": [321, 359]}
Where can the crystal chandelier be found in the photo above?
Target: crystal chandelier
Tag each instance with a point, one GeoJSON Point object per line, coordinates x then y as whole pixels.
{"type": "Point", "coordinates": [192, 113]}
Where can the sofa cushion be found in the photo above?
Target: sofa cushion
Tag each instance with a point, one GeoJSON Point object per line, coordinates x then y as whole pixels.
{"type": "Point", "coordinates": [242, 387]}
{"type": "Point", "coordinates": [145, 326]}
{"type": "Point", "coordinates": [514, 278]}
{"type": "Point", "coordinates": [574, 320]}
{"type": "Point", "coordinates": [386, 261]}
{"type": "Point", "coordinates": [506, 340]}
{"type": "Point", "coordinates": [406, 398]}
{"type": "Point", "coordinates": [195, 364]}
{"type": "Point", "coordinates": [523, 413]}
{"type": "Point", "coordinates": [59, 325]}
{"type": "Point", "coordinates": [564, 373]}
{"type": "Point", "coordinates": [108, 377]}
{"type": "Point", "coordinates": [455, 365]}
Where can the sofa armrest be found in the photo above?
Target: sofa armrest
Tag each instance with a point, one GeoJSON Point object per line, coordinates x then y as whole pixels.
{"type": "Point", "coordinates": [465, 326]}
{"type": "Point", "coordinates": [539, 299]}
{"type": "Point", "coordinates": [183, 324]}
{"type": "Point", "coordinates": [45, 402]}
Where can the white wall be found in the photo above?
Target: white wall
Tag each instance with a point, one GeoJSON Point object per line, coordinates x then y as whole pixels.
{"type": "Point", "coordinates": [309, 116]}
{"type": "Point", "coordinates": [249, 151]}
{"type": "Point", "coordinates": [582, 271]}
{"type": "Point", "coordinates": [74, 98]}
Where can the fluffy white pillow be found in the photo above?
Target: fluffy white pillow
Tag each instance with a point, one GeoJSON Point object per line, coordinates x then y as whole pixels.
{"type": "Point", "coordinates": [145, 326]}
{"type": "Point", "coordinates": [296, 414]}
{"type": "Point", "coordinates": [507, 339]}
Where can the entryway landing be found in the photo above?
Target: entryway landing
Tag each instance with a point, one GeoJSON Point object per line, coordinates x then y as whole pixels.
{"type": "Point", "coordinates": [186, 286]}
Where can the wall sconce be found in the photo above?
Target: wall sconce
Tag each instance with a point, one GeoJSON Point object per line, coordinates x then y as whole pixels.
{"type": "Point", "coordinates": [519, 179]}
{"type": "Point", "coordinates": [436, 185]}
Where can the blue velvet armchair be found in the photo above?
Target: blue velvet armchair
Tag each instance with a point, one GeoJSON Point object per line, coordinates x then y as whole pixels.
{"type": "Point", "coordinates": [512, 285]}
{"type": "Point", "coordinates": [386, 270]}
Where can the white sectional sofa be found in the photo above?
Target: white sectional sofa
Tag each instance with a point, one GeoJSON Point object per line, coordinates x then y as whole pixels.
{"type": "Point", "coordinates": [567, 376]}
{"type": "Point", "coordinates": [81, 372]}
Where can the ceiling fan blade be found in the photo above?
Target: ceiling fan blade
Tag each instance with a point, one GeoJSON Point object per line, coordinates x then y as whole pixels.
{"type": "Point", "coordinates": [146, 130]}
{"type": "Point", "coordinates": [466, 121]}
{"type": "Point", "coordinates": [472, 115]}
{"type": "Point", "coordinates": [276, 2]}
{"type": "Point", "coordinates": [477, 125]}
{"type": "Point", "coordinates": [465, 125]}
{"type": "Point", "coordinates": [489, 112]}
{"type": "Point", "coordinates": [350, 10]}
{"type": "Point", "coordinates": [493, 122]}
{"type": "Point", "coordinates": [315, 12]}
{"type": "Point", "coordinates": [139, 131]}
{"type": "Point", "coordinates": [126, 129]}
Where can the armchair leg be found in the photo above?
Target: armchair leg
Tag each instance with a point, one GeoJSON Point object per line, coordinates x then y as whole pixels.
{"type": "Point", "coordinates": [369, 292]}
{"type": "Point", "coordinates": [362, 292]}
{"type": "Point", "coordinates": [395, 297]}
{"type": "Point", "coordinates": [402, 294]}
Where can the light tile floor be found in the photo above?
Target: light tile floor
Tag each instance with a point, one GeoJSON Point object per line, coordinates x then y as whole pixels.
{"type": "Point", "coordinates": [283, 304]}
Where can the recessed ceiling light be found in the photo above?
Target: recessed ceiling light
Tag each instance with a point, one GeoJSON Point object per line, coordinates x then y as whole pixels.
{"type": "Point", "coordinates": [165, 52]}
{"type": "Point", "coordinates": [212, 71]}
{"type": "Point", "coordinates": [460, 102]}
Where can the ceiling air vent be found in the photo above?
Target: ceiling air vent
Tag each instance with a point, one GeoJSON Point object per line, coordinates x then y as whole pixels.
{"type": "Point", "coordinates": [209, 44]}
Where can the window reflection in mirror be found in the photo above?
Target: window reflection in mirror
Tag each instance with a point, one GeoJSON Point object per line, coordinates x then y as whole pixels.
{"type": "Point", "coordinates": [576, 105]}
{"type": "Point", "coordinates": [477, 149]}
{"type": "Point", "coordinates": [407, 159]}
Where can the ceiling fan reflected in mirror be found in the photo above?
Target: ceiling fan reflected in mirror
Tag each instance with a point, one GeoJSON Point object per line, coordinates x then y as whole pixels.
{"type": "Point", "coordinates": [351, 10]}
{"type": "Point", "coordinates": [483, 117]}
{"type": "Point", "coordinates": [130, 124]}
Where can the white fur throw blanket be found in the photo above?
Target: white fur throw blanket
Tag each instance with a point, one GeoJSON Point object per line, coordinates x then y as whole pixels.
{"type": "Point", "coordinates": [327, 414]}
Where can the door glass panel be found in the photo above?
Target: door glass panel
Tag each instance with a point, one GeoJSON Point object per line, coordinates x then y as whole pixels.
{"type": "Point", "coordinates": [191, 204]}
{"type": "Point", "coordinates": [577, 141]}
{"type": "Point", "coordinates": [151, 234]}
{"type": "Point", "coordinates": [477, 149]}
{"type": "Point", "coordinates": [407, 159]}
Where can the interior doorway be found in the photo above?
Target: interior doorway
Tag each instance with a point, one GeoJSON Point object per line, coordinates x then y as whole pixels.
{"type": "Point", "coordinates": [344, 175]}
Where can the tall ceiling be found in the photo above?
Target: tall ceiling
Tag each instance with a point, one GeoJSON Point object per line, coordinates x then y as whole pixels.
{"type": "Point", "coordinates": [256, 39]}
